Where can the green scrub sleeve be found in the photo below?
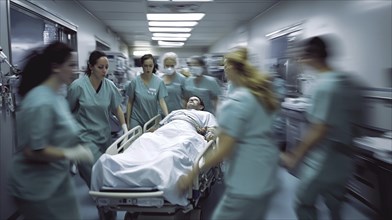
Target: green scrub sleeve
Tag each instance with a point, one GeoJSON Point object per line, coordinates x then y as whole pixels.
{"type": "Point", "coordinates": [162, 93]}
{"type": "Point", "coordinates": [38, 122]}
{"type": "Point", "coordinates": [72, 96]}
{"type": "Point", "coordinates": [233, 116]}
{"type": "Point", "coordinates": [322, 109]}
{"type": "Point", "coordinates": [116, 98]}
{"type": "Point", "coordinates": [131, 89]}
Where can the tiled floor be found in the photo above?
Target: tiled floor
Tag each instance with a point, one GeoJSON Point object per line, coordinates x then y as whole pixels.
{"type": "Point", "coordinates": [280, 209]}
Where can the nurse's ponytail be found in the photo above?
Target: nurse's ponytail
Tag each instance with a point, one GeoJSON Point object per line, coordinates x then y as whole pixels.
{"type": "Point", "coordinates": [39, 64]}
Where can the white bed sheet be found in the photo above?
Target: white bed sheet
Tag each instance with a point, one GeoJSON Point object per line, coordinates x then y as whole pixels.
{"type": "Point", "coordinates": [155, 159]}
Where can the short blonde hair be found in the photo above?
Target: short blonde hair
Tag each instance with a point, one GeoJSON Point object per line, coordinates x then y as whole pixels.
{"type": "Point", "coordinates": [169, 55]}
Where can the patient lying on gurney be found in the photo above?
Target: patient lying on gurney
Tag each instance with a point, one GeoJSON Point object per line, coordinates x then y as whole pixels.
{"type": "Point", "coordinates": [157, 159]}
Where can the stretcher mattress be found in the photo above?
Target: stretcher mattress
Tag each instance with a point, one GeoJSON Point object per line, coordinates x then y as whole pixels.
{"type": "Point", "coordinates": [155, 160]}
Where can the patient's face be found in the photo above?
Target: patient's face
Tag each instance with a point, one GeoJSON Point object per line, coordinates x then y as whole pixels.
{"type": "Point", "coordinates": [193, 103]}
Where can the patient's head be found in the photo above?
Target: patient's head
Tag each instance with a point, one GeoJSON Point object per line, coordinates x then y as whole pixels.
{"type": "Point", "coordinates": [195, 102]}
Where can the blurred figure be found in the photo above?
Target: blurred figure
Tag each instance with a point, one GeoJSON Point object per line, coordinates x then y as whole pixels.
{"type": "Point", "coordinates": [92, 99]}
{"type": "Point", "coordinates": [326, 147]}
{"type": "Point", "coordinates": [279, 87]}
{"type": "Point", "coordinates": [205, 87]}
{"type": "Point", "coordinates": [40, 179]}
{"type": "Point", "coordinates": [244, 142]}
{"type": "Point", "coordinates": [174, 82]}
{"type": "Point", "coordinates": [145, 92]}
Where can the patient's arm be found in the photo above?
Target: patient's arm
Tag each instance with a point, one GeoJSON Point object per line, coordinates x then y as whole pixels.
{"type": "Point", "coordinates": [209, 133]}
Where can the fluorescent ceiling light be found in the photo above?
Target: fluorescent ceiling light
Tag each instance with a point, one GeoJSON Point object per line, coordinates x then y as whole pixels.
{"type": "Point", "coordinates": [170, 38]}
{"type": "Point", "coordinates": [140, 53]}
{"type": "Point", "coordinates": [167, 43]}
{"type": "Point", "coordinates": [166, 29]}
{"type": "Point", "coordinates": [170, 35]}
{"type": "Point", "coordinates": [172, 23]}
{"type": "Point", "coordinates": [175, 17]}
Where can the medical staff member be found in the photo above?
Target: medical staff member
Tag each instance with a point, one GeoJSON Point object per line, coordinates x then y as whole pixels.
{"type": "Point", "coordinates": [245, 124]}
{"type": "Point", "coordinates": [145, 92]}
{"type": "Point", "coordinates": [205, 87]}
{"type": "Point", "coordinates": [92, 99]}
{"type": "Point", "coordinates": [326, 148]}
{"type": "Point", "coordinates": [174, 82]}
{"type": "Point", "coordinates": [47, 134]}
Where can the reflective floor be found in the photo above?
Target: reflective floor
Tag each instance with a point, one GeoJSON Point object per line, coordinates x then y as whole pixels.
{"type": "Point", "coordinates": [281, 206]}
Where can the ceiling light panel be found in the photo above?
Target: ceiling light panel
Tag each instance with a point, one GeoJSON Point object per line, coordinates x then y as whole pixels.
{"type": "Point", "coordinates": [166, 29]}
{"type": "Point", "coordinates": [175, 17]}
{"type": "Point", "coordinates": [172, 23]}
{"type": "Point", "coordinates": [167, 43]}
{"type": "Point", "coordinates": [171, 35]}
{"type": "Point", "coordinates": [170, 38]}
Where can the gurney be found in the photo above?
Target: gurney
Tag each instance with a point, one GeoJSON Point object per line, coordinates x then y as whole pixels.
{"type": "Point", "coordinates": [150, 200]}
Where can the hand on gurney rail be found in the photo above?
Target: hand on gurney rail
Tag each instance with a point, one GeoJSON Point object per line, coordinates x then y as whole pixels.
{"type": "Point", "coordinates": [79, 154]}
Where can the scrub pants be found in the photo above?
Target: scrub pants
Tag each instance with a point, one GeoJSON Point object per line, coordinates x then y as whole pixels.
{"type": "Point", "coordinates": [63, 205]}
{"type": "Point", "coordinates": [327, 180]}
{"type": "Point", "coordinates": [240, 207]}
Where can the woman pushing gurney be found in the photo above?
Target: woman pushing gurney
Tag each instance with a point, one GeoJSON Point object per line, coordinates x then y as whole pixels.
{"type": "Point", "coordinates": [157, 159]}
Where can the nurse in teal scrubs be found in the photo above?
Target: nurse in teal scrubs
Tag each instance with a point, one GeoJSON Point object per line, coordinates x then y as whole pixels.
{"type": "Point", "coordinates": [205, 87]}
{"type": "Point", "coordinates": [174, 82]}
{"type": "Point", "coordinates": [92, 99]}
{"type": "Point", "coordinates": [326, 148]}
{"type": "Point", "coordinates": [47, 134]}
{"type": "Point", "coordinates": [245, 143]}
{"type": "Point", "coordinates": [146, 94]}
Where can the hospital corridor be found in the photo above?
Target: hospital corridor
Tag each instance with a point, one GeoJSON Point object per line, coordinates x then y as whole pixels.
{"type": "Point", "coordinates": [195, 110]}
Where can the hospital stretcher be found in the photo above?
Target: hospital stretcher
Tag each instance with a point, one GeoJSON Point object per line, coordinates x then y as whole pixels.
{"type": "Point", "coordinates": [144, 201]}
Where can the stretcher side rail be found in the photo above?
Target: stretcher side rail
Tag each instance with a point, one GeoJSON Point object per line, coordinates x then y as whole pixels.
{"type": "Point", "coordinates": [126, 194]}
{"type": "Point", "coordinates": [152, 123]}
{"type": "Point", "coordinates": [134, 133]}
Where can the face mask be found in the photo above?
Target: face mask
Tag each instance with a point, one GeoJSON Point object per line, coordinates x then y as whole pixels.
{"type": "Point", "coordinates": [168, 71]}
{"type": "Point", "coordinates": [196, 70]}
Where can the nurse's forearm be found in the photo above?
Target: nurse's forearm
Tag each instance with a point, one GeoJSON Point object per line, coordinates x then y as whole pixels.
{"type": "Point", "coordinates": [315, 133]}
{"type": "Point", "coordinates": [120, 115]}
{"type": "Point", "coordinates": [129, 111]}
{"type": "Point", "coordinates": [225, 148]}
{"type": "Point", "coordinates": [163, 107]}
{"type": "Point", "coordinates": [48, 154]}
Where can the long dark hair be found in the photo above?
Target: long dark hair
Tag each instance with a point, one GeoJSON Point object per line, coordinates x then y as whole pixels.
{"type": "Point", "coordinates": [38, 67]}
{"type": "Point", "coordinates": [92, 60]}
{"type": "Point", "coordinates": [149, 56]}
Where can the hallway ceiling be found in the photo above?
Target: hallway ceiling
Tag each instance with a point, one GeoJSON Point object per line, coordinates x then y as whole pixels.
{"type": "Point", "coordinates": [128, 18]}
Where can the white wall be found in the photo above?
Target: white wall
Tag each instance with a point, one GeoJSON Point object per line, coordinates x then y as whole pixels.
{"type": "Point", "coordinates": [363, 28]}
{"type": "Point", "coordinates": [89, 28]}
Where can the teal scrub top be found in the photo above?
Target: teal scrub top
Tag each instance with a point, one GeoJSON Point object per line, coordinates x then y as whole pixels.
{"type": "Point", "coordinates": [145, 98]}
{"type": "Point", "coordinates": [175, 90]}
{"type": "Point", "coordinates": [208, 90]}
{"type": "Point", "coordinates": [335, 103]}
{"type": "Point", "coordinates": [92, 110]}
{"type": "Point", "coordinates": [42, 120]}
{"type": "Point", "coordinates": [252, 167]}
